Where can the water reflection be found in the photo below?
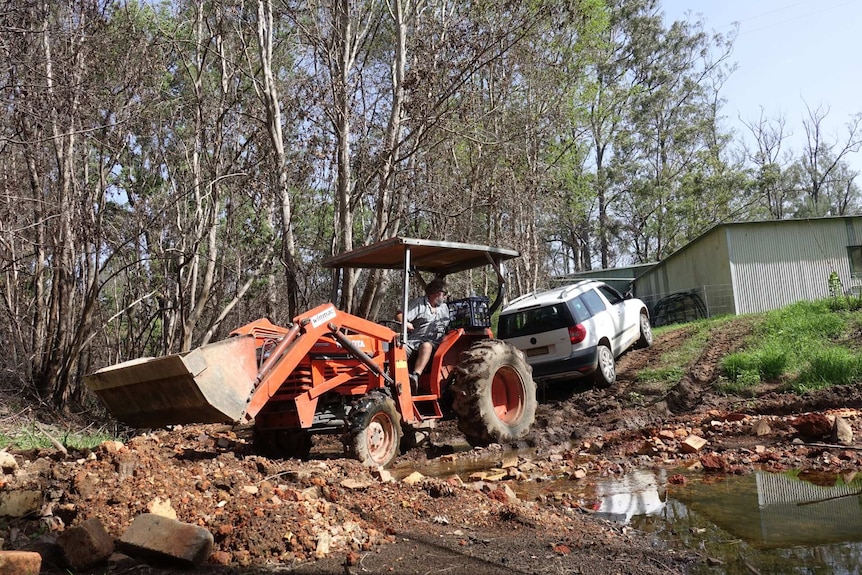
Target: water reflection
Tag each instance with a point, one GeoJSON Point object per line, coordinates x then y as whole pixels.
{"type": "Point", "coordinates": [640, 492]}
{"type": "Point", "coordinates": [765, 523]}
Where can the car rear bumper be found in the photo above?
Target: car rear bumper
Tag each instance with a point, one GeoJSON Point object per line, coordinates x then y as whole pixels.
{"type": "Point", "coordinates": [580, 363]}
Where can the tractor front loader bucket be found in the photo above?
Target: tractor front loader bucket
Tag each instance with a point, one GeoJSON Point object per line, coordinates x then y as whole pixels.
{"type": "Point", "coordinates": [210, 384]}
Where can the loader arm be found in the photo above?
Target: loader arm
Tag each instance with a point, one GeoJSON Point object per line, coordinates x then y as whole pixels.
{"type": "Point", "coordinates": [326, 350]}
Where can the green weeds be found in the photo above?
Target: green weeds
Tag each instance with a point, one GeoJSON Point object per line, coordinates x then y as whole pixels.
{"type": "Point", "coordinates": [804, 344]}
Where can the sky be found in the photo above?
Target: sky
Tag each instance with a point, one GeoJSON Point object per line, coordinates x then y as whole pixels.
{"type": "Point", "coordinates": [791, 55]}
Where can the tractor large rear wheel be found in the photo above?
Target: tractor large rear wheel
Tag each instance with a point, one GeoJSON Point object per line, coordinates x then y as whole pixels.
{"type": "Point", "coordinates": [374, 432]}
{"type": "Point", "coordinates": [494, 395]}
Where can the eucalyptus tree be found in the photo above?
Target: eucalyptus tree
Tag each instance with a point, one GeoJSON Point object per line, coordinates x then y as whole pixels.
{"type": "Point", "coordinates": [489, 98]}
{"type": "Point", "coordinates": [770, 160]}
{"type": "Point", "coordinates": [73, 73]}
{"type": "Point", "coordinates": [672, 131]}
{"type": "Point", "coordinates": [827, 184]}
{"type": "Point", "coordinates": [607, 92]}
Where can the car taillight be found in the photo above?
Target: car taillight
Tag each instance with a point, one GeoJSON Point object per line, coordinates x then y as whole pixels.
{"type": "Point", "coordinates": [577, 333]}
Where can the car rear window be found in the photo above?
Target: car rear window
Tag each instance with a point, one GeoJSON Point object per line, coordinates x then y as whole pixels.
{"type": "Point", "coordinates": [535, 320]}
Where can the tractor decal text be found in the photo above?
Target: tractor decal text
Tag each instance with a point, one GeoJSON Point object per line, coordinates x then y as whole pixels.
{"type": "Point", "coordinates": [321, 318]}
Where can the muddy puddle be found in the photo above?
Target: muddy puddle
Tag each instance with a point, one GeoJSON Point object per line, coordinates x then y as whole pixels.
{"type": "Point", "coordinates": [766, 523]}
{"type": "Point", "coordinates": [762, 523]}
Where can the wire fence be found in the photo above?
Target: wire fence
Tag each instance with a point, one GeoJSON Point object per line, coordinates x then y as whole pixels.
{"type": "Point", "coordinates": [689, 305]}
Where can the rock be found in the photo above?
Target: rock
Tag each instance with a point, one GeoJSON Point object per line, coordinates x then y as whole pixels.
{"type": "Point", "coordinates": [578, 473]}
{"type": "Point", "coordinates": [312, 493]}
{"type": "Point", "coordinates": [20, 502]}
{"type": "Point", "coordinates": [667, 435]}
{"type": "Point", "coordinates": [693, 444]}
{"type": "Point", "coordinates": [510, 493]}
{"type": "Point", "coordinates": [86, 545]}
{"type": "Point", "coordinates": [357, 484]}
{"type": "Point", "coordinates": [382, 475]}
{"type": "Point", "coordinates": [813, 425]}
{"type": "Point", "coordinates": [111, 447]}
{"type": "Point", "coordinates": [713, 462]}
{"type": "Point", "coordinates": [20, 563]}
{"type": "Point", "coordinates": [761, 428]}
{"type": "Point", "coordinates": [324, 543]}
{"type": "Point", "coordinates": [647, 448]}
{"type": "Point", "coordinates": [46, 546]}
{"type": "Point", "coordinates": [508, 462]}
{"type": "Point", "coordinates": [152, 537]}
{"type": "Point", "coordinates": [7, 462]}
{"type": "Point", "coordinates": [842, 433]}
{"type": "Point", "coordinates": [413, 478]}
{"type": "Point", "coordinates": [163, 507]}
{"type": "Point", "coordinates": [221, 558]}
{"type": "Point", "coordinates": [496, 475]}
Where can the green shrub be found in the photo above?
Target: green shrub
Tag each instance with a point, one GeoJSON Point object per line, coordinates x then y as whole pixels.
{"type": "Point", "coordinates": [803, 323]}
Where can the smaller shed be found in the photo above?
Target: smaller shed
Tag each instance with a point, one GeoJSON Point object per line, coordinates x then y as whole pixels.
{"type": "Point", "coordinates": [620, 278]}
{"type": "Point", "coordinates": [750, 267]}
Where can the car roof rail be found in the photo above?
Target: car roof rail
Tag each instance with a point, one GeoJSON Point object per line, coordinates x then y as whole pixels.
{"type": "Point", "coordinates": [523, 297]}
{"type": "Point", "coordinates": [566, 290]}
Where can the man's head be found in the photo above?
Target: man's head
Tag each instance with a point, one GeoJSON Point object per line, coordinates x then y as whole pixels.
{"type": "Point", "coordinates": [435, 288]}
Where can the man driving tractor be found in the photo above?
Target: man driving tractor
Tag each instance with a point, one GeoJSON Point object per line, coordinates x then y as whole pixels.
{"type": "Point", "coordinates": [427, 320]}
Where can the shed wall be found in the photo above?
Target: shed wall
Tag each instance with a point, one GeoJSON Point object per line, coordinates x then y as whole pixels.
{"type": "Point", "coordinates": [702, 267]}
{"type": "Point", "coordinates": [778, 263]}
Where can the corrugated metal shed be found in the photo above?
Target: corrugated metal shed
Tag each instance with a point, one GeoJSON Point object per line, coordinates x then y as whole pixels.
{"type": "Point", "coordinates": [778, 263]}
{"type": "Point", "coordinates": [758, 266]}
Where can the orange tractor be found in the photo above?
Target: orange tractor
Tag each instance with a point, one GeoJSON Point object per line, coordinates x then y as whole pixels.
{"type": "Point", "coordinates": [335, 373]}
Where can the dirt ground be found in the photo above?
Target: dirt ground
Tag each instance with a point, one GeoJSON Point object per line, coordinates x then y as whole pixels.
{"type": "Point", "coordinates": [331, 515]}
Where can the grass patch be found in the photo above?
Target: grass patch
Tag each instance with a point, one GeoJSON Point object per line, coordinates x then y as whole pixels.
{"type": "Point", "coordinates": [693, 346]}
{"type": "Point", "coordinates": [672, 363]}
{"type": "Point", "coordinates": [830, 366]}
{"type": "Point", "coordinates": [806, 345]}
{"type": "Point", "coordinates": [743, 385]}
{"type": "Point", "coordinates": [30, 436]}
{"type": "Point", "coordinates": [661, 374]}
{"type": "Point", "coordinates": [766, 363]}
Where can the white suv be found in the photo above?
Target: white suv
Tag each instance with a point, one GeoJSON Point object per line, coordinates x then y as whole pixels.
{"type": "Point", "coordinates": [575, 331]}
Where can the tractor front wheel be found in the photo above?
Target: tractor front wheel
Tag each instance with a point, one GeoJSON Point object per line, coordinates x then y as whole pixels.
{"type": "Point", "coordinates": [374, 430]}
{"type": "Point", "coordinates": [494, 395]}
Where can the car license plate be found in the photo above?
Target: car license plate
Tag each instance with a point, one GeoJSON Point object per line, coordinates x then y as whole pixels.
{"type": "Point", "coordinates": [537, 351]}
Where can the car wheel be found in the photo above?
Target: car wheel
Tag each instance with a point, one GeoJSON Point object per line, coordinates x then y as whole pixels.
{"type": "Point", "coordinates": [606, 370]}
{"type": "Point", "coordinates": [646, 332]}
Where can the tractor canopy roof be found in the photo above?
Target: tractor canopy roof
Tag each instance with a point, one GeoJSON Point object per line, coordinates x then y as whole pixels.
{"type": "Point", "coordinates": [440, 258]}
